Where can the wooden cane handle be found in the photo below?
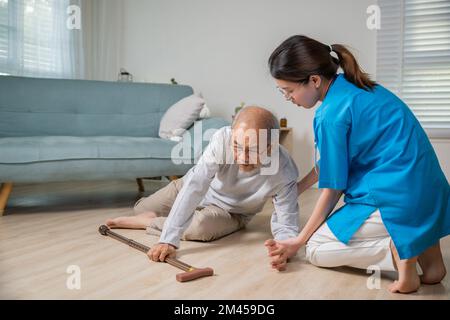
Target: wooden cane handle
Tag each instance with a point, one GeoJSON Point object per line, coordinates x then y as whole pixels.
{"type": "Point", "coordinates": [194, 274]}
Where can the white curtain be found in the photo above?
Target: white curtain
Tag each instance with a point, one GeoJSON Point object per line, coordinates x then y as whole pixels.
{"type": "Point", "coordinates": [35, 40]}
{"type": "Point", "coordinates": [102, 32]}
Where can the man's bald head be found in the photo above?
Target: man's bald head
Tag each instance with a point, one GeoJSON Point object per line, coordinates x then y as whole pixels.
{"type": "Point", "coordinates": [251, 136]}
{"type": "Point", "coordinates": [253, 117]}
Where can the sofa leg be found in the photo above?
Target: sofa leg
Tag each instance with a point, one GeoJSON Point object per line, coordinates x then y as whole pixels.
{"type": "Point", "coordinates": [140, 183]}
{"type": "Point", "coordinates": [5, 191]}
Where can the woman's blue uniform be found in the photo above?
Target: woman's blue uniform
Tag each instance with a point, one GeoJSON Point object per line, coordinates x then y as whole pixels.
{"type": "Point", "coordinates": [374, 149]}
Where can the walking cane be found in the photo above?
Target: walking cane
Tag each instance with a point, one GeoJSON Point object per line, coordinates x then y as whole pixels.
{"type": "Point", "coordinates": [190, 273]}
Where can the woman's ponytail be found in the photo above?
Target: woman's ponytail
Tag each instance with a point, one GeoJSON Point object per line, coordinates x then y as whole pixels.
{"type": "Point", "coordinates": [351, 68]}
{"type": "Point", "coordinates": [299, 57]}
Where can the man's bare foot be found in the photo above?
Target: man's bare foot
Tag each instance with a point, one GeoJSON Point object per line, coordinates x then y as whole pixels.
{"type": "Point", "coordinates": [432, 265]}
{"type": "Point", "coordinates": [140, 221]}
{"type": "Point", "coordinates": [408, 279]}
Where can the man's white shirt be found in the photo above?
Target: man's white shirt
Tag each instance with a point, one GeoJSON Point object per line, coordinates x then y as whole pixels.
{"type": "Point", "coordinates": [215, 180]}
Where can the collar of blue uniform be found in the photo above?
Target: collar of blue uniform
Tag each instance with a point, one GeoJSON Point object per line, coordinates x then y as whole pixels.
{"type": "Point", "coordinates": [331, 92]}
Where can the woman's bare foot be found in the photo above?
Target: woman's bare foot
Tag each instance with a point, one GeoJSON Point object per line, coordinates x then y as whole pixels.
{"type": "Point", "coordinates": [408, 279]}
{"type": "Point", "coordinates": [432, 265]}
{"type": "Point", "coordinates": [140, 221]}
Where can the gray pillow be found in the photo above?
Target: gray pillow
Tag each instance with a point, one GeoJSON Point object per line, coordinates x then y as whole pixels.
{"type": "Point", "coordinates": [181, 116]}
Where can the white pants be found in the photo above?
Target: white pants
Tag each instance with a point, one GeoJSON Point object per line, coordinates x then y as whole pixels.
{"type": "Point", "coordinates": [369, 246]}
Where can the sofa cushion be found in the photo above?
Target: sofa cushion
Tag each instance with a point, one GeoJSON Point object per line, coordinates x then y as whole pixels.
{"type": "Point", "coordinates": [181, 116]}
{"type": "Point", "coordinates": [56, 148]}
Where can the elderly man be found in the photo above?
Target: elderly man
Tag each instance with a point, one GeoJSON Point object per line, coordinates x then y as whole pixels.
{"type": "Point", "coordinates": [224, 190]}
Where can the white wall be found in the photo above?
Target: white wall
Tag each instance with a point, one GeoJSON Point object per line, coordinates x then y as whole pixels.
{"type": "Point", "coordinates": [221, 49]}
{"type": "Point", "coordinates": [442, 148]}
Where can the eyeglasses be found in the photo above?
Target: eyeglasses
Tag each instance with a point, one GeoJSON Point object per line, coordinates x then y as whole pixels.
{"type": "Point", "coordinates": [252, 152]}
{"type": "Point", "coordinates": [288, 95]}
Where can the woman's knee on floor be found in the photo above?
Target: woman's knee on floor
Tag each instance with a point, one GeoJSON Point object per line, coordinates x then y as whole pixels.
{"type": "Point", "coordinates": [319, 257]}
{"type": "Point", "coordinates": [318, 251]}
{"type": "Point", "coordinates": [316, 246]}
{"type": "Point", "coordinates": [312, 253]}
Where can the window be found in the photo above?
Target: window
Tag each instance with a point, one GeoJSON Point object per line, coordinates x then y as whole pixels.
{"type": "Point", "coordinates": [34, 39]}
{"type": "Point", "coordinates": [413, 58]}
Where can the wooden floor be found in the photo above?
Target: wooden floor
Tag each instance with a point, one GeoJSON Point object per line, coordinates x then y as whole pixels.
{"type": "Point", "coordinates": [49, 227]}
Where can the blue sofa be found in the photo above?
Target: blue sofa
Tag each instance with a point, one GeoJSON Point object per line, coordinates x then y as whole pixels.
{"type": "Point", "coordinates": [66, 130]}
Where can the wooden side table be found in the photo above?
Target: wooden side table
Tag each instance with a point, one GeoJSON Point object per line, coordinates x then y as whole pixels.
{"type": "Point", "coordinates": [286, 139]}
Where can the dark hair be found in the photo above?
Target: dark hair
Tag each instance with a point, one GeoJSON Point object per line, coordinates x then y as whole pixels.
{"type": "Point", "coordinates": [299, 57]}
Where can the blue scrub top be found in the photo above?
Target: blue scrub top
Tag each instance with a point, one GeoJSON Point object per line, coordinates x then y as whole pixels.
{"type": "Point", "coordinates": [374, 149]}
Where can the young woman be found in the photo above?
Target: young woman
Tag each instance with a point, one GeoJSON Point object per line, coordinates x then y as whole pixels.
{"type": "Point", "coordinates": [374, 151]}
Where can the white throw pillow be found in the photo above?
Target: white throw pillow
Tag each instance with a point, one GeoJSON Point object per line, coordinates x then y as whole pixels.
{"type": "Point", "coordinates": [205, 113]}
{"type": "Point", "coordinates": [180, 116]}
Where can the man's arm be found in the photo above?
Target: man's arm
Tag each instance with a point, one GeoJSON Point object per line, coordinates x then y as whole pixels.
{"type": "Point", "coordinates": [195, 186]}
{"type": "Point", "coordinates": [285, 219]}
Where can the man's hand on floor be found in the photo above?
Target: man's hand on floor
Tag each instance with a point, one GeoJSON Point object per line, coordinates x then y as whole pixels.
{"type": "Point", "coordinates": [160, 251]}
